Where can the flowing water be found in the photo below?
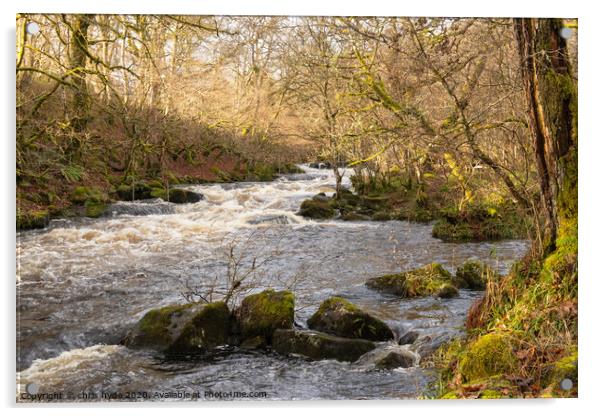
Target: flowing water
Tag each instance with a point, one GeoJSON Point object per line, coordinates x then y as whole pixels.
{"type": "Point", "coordinates": [82, 283]}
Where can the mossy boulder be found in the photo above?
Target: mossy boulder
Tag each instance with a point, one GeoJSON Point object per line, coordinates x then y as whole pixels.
{"type": "Point", "coordinates": [263, 313]}
{"type": "Point", "coordinates": [95, 209]}
{"type": "Point", "coordinates": [424, 281]}
{"type": "Point", "coordinates": [183, 196]}
{"type": "Point", "coordinates": [137, 191]}
{"type": "Point", "coordinates": [32, 219]}
{"type": "Point", "coordinates": [311, 208]}
{"type": "Point", "coordinates": [320, 346]}
{"type": "Point", "coordinates": [182, 329]}
{"type": "Point", "coordinates": [446, 291]}
{"type": "Point", "coordinates": [490, 355]}
{"type": "Point", "coordinates": [338, 316]}
{"type": "Point", "coordinates": [555, 373]}
{"type": "Point", "coordinates": [473, 275]}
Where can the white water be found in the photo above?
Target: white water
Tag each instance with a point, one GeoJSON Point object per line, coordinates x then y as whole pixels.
{"type": "Point", "coordinates": [83, 283]}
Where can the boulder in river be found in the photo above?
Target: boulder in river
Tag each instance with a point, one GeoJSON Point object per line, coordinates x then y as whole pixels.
{"type": "Point", "coordinates": [408, 338]}
{"type": "Point", "coordinates": [320, 346]}
{"type": "Point", "coordinates": [389, 357]}
{"type": "Point", "coordinates": [262, 313]}
{"type": "Point", "coordinates": [473, 275]}
{"type": "Point", "coordinates": [182, 329]}
{"type": "Point", "coordinates": [311, 208]}
{"type": "Point", "coordinates": [446, 291]}
{"type": "Point", "coordinates": [184, 196]}
{"type": "Point", "coordinates": [338, 316]}
{"type": "Point", "coordinates": [424, 281]}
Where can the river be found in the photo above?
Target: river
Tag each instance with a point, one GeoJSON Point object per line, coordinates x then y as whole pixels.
{"type": "Point", "coordinates": [82, 283]}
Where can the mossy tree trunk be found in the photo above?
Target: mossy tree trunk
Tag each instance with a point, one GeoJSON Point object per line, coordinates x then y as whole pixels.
{"type": "Point", "coordinates": [78, 54]}
{"type": "Point", "coordinates": [552, 105]}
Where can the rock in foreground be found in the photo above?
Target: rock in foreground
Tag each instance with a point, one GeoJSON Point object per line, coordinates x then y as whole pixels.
{"type": "Point", "coordinates": [319, 346]}
{"type": "Point", "coordinates": [338, 316]}
{"type": "Point", "coordinates": [263, 313]}
{"type": "Point", "coordinates": [182, 329]}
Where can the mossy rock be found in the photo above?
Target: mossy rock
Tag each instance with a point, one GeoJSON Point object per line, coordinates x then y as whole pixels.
{"type": "Point", "coordinates": [95, 209]}
{"type": "Point", "coordinates": [338, 316]}
{"type": "Point", "coordinates": [311, 208]}
{"type": "Point", "coordinates": [183, 196]}
{"type": "Point", "coordinates": [127, 192]}
{"type": "Point", "coordinates": [320, 346]}
{"type": "Point", "coordinates": [555, 373]}
{"type": "Point", "coordinates": [32, 220]}
{"type": "Point", "coordinates": [447, 291]}
{"type": "Point", "coordinates": [374, 202]}
{"type": "Point", "coordinates": [182, 329]}
{"type": "Point", "coordinates": [490, 355]}
{"type": "Point", "coordinates": [262, 313]}
{"type": "Point", "coordinates": [424, 281]}
{"type": "Point", "coordinates": [82, 195]}
{"type": "Point", "coordinates": [473, 275]}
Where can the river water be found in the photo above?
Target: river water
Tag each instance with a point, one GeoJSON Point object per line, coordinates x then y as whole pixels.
{"type": "Point", "coordinates": [82, 283]}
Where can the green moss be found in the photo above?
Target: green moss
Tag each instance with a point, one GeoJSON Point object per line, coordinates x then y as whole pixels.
{"type": "Point", "coordinates": [262, 313]}
{"type": "Point", "coordinates": [490, 394]}
{"type": "Point", "coordinates": [95, 209]}
{"type": "Point", "coordinates": [206, 330]}
{"type": "Point", "coordinates": [424, 281]}
{"type": "Point", "coordinates": [473, 275]}
{"type": "Point", "coordinates": [447, 290]}
{"type": "Point", "coordinates": [182, 329]}
{"type": "Point", "coordinates": [154, 325]}
{"type": "Point", "coordinates": [79, 195]}
{"type": "Point", "coordinates": [490, 355]}
{"type": "Point", "coordinates": [31, 219]}
{"type": "Point", "coordinates": [449, 396]}
{"type": "Point", "coordinates": [82, 195]}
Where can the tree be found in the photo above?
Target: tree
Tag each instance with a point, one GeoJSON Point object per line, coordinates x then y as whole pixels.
{"type": "Point", "coordinates": [552, 106]}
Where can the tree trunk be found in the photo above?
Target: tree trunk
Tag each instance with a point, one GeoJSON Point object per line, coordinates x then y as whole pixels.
{"type": "Point", "coordinates": [78, 53]}
{"type": "Point", "coordinates": [552, 105]}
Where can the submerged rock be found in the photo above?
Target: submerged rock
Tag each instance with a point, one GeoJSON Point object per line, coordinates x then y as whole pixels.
{"type": "Point", "coordinates": [263, 313]}
{"type": "Point", "coordinates": [320, 346]}
{"type": "Point", "coordinates": [182, 329]}
{"type": "Point", "coordinates": [408, 338]}
{"type": "Point", "coordinates": [389, 357]}
{"type": "Point", "coordinates": [473, 275]}
{"type": "Point", "coordinates": [338, 316]}
{"type": "Point", "coordinates": [424, 281]}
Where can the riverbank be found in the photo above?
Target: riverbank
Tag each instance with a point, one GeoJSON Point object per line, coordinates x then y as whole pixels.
{"type": "Point", "coordinates": [488, 218]}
